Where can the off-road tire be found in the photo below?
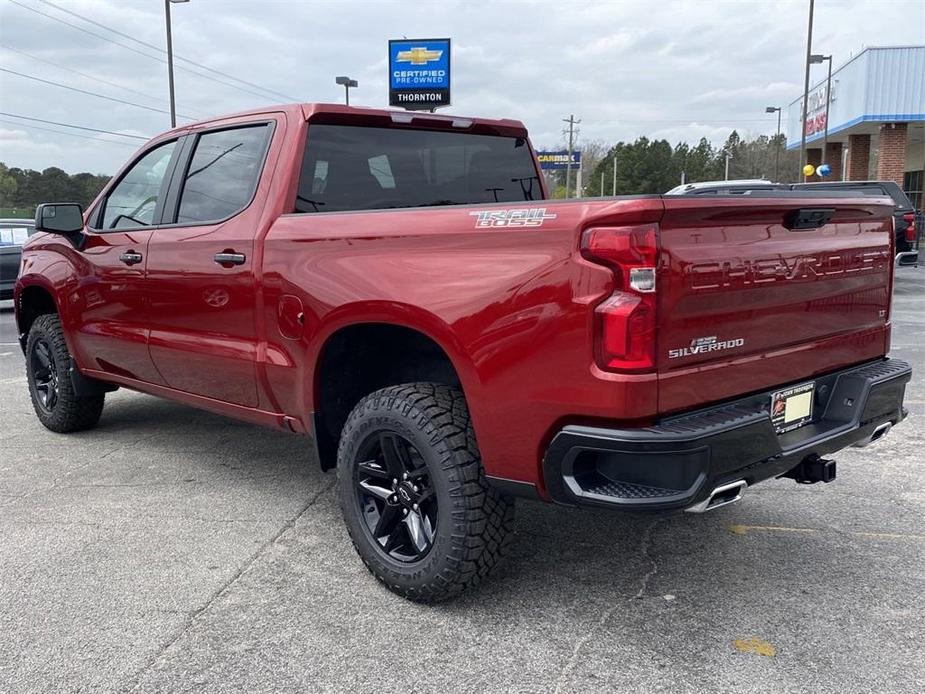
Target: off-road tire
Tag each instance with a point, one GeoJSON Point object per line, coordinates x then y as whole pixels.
{"type": "Point", "coordinates": [475, 521]}
{"type": "Point", "coordinates": [69, 412]}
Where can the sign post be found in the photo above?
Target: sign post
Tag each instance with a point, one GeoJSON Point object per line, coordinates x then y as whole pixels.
{"type": "Point", "coordinates": [419, 73]}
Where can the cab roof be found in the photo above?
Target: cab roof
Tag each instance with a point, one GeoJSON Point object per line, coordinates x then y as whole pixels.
{"type": "Point", "coordinates": [339, 113]}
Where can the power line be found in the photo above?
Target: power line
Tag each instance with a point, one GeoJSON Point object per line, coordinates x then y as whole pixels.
{"type": "Point", "coordinates": [135, 50]}
{"type": "Point", "coordinates": [84, 91]}
{"type": "Point", "coordinates": [86, 31]}
{"type": "Point", "coordinates": [78, 72]}
{"type": "Point", "coordinates": [161, 50]}
{"type": "Point", "coordinates": [71, 125]}
{"type": "Point", "coordinates": [62, 132]}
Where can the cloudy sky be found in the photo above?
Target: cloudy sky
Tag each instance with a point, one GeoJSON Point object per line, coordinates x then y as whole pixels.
{"type": "Point", "coordinates": [676, 70]}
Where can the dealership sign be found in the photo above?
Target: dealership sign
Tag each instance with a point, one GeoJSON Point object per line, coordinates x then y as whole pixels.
{"type": "Point", "coordinates": [816, 118]}
{"type": "Point", "coordinates": [558, 160]}
{"type": "Point", "coordinates": [419, 73]}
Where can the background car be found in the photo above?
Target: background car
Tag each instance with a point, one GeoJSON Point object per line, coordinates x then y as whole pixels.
{"type": "Point", "coordinates": [13, 233]}
{"type": "Point", "coordinates": [730, 187]}
{"type": "Point", "coordinates": [904, 214]}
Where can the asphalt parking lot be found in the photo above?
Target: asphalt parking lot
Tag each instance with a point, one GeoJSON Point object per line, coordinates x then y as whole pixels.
{"type": "Point", "coordinates": [170, 550]}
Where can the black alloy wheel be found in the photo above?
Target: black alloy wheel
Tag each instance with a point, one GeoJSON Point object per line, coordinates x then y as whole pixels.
{"type": "Point", "coordinates": [415, 498]}
{"type": "Point", "coordinates": [395, 496]}
{"type": "Point", "coordinates": [44, 374]}
{"type": "Point", "coordinates": [51, 387]}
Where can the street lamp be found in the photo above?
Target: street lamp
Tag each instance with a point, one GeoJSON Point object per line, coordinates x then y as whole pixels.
{"type": "Point", "coordinates": [772, 109]}
{"type": "Point", "coordinates": [347, 82]}
{"type": "Point", "coordinates": [817, 58]}
{"type": "Point", "coordinates": [173, 101]}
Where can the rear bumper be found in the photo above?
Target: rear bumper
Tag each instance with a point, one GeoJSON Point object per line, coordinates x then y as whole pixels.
{"type": "Point", "coordinates": [678, 462]}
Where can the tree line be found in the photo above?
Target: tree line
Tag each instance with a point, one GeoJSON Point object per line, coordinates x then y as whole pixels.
{"type": "Point", "coordinates": [22, 189]}
{"type": "Point", "coordinates": [655, 166]}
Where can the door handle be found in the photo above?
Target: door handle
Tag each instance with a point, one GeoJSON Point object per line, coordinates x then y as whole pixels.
{"type": "Point", "coordinates": [130, 257]}
{"type": "Point", "coordinates": [229, 258]}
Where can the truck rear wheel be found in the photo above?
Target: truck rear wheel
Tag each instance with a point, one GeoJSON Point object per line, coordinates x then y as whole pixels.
{"type": "Point", "coordinates": [415, 499]}
{"type": "Point", "coordinates": [47, 369]}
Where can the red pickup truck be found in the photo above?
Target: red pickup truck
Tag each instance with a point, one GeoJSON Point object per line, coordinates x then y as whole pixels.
{"type": "Point", "coordinates": [399, 287]}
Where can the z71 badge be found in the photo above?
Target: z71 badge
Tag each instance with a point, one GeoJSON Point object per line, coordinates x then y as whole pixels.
{"type": "Point", "coordinates": [524, 217]}
{"type": "Point", "coordinates": [702, 345]}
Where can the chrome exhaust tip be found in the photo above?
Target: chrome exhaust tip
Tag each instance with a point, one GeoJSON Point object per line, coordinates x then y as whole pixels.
{"type": "Point", "coordinates": [721, 496]}
{"type": "Point", "coordinates": [878, 433]}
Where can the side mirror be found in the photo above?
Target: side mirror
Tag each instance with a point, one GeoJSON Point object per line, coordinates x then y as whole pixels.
{"type": "Point", "coordinates": [65, 218]}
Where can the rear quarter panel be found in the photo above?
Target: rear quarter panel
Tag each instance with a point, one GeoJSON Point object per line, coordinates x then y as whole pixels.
{"type": "Point", "coordinates": [509, 306]}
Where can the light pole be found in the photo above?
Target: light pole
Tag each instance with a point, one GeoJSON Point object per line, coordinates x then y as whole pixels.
{"type": "Point", "coordinates": [614, 182]}
{"type": "Point", "coordinates": [809, 50]}
{"type": "Point", "coordinates": [347, 82]}
{"type": "Point", "coordinates": [828, 98]}
{"type": "Point", "coordinates": [772, 109]}
{"type": "Point", "coordinates": [173, 100]}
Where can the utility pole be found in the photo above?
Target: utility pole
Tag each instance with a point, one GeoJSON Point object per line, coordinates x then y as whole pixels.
{"type": "Point", "coordinates": [809, 50]}
{"type": "Point", "coordinates": [602, 184]}
{"type": "Point", "coordinates": [728, 157]}
{"type": "Point", "coordinates": [614, 192]}
{"type": "Point", "coordinates": [571, 146]}
{"type": "Point", "coordinates": [173, 101]}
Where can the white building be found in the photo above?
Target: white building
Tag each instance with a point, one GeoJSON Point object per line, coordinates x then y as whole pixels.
{"type": "Point", "coordinates": [876, 106]}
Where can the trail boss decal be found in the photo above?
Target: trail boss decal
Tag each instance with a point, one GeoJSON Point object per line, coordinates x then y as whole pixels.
{"type": "Point", "coordinates": [526, 217]}
{"type": "Point", "coordinates": [702, 345]}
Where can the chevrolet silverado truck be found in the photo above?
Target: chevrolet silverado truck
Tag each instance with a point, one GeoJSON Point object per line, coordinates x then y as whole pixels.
{"type": "Point", "coordinates": [400, 288]}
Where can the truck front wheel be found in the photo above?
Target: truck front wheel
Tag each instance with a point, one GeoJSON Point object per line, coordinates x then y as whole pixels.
{"type": "Point", "coordinates": [415, 499]}
{"type": "Point", "coordinates": [47, 370]}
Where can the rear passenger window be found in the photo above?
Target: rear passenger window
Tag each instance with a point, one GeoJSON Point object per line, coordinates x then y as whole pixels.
{"type": "Point", "coordinates": [223, 173]}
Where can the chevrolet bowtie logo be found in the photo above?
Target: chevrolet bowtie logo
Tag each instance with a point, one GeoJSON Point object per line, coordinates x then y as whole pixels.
{"type": "Point", "coordinates": [418, 55]}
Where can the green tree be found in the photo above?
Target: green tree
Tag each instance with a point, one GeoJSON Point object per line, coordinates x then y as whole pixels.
{"type": "Point", "coordinates": [23, 189]}
{"type": "Point", "coordinates": [8, 187]}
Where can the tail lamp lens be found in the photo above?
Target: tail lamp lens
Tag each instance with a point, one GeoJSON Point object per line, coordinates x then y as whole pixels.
{"type": "Point", "coordinates": [909, 219]}
{"type": "Point", "coordinates": [625, 321]}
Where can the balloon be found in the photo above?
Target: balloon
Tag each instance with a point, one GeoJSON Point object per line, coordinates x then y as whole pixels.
{"type": "Point", "coordinates": [824, 170]}
{"type": "Point", "coordinates": [809, 170]}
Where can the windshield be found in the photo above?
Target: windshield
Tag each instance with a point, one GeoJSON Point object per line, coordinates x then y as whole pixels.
{"type": "Point", "coordinates": [16, 234]}
{"type": "Point", "coordinates": [361, 168]}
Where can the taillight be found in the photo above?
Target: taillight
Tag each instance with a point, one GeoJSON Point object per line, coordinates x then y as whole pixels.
{"type": "Point", "coordinates": [909, 219]}
{"type": "Point", "coordinates": [625, 321]}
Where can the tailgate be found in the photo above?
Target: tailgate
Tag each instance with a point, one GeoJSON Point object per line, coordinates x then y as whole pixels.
{"type": "Point", "coordinates": [747, 299]}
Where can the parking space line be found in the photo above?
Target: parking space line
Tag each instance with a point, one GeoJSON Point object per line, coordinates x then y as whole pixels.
{"type": "Point", "coordinates": [756, 646]}
{"type": "Point", "coordinates": [743, 529]}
